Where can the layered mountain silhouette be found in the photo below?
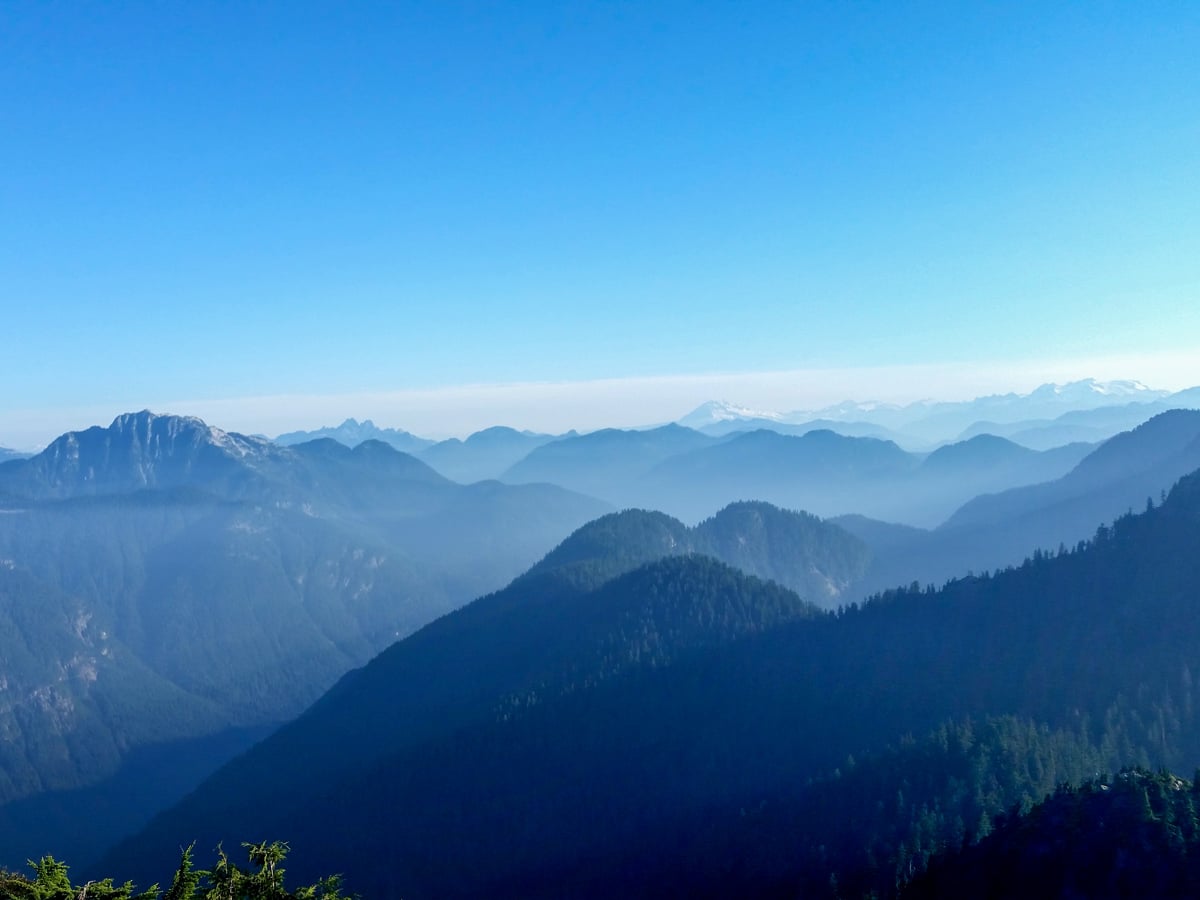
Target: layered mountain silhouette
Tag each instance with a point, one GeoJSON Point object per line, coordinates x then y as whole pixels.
{"type": "Point", "coordinates": [612, 726]}
{"type": "Point", "coordinates": [687, 474]}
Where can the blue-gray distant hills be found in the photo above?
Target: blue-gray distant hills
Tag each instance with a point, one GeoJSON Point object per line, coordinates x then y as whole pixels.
{"type": "Point", "coordinates": [686, 473]}
{"type": "Point", "coordinates": [485, 454]}
{"type": "Point", "coordinates": [1092, 425]}
{"type": "Point", "coordinates": [481, 456]}
{"type": "Point", "coordinates": [1048, 418]}
{"type": "Point", "coordinates": [162, 580]}
{"type": "Point", "coordinates": [1125, 473]}
{"type": "Point", "coordinates": [608, 463]}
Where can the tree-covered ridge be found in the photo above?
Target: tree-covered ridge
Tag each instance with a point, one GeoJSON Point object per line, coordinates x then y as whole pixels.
{"type": "Point", "coordinates": [1133, 835]}
{"type": "Point", "coordinates": [819, 560]}
{"type": "Point", "coordinates": [263, 880]}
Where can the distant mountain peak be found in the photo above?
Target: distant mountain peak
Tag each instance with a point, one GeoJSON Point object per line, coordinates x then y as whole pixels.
{"type": "Point", "coordinates": [138, 450]}
{"type": "Point", "coordinates": [714, 411]}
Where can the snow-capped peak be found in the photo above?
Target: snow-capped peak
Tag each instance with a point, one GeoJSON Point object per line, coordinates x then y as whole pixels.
{"type": "Point", "coordinates": [1091, 390]}
{"type": "Point", "coordinates": [715, 411]}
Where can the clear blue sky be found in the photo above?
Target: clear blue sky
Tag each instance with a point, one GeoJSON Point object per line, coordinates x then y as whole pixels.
{"type": "Point", "coordinates": [214, 201]}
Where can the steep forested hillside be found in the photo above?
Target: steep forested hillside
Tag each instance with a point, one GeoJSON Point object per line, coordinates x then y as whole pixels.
{"type": "Point", "coordinates": [682, 729]}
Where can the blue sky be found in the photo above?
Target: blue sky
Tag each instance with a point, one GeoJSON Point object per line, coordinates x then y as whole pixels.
{"type": "Point", "coordinates": [282, 214]}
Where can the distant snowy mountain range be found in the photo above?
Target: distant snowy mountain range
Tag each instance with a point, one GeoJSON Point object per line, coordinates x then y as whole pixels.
{"type": "Point", "coordinates": [1033, 416]}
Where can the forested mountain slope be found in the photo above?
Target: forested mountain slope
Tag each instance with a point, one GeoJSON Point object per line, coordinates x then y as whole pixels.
{"type": "Point", "coordinates": [641, 732]}
{"type": "Point", "coordinates": [1130, 836]}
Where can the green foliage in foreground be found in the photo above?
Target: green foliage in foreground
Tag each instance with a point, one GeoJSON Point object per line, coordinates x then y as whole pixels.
{"type": "Point", "coordinates": [263, 880]}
